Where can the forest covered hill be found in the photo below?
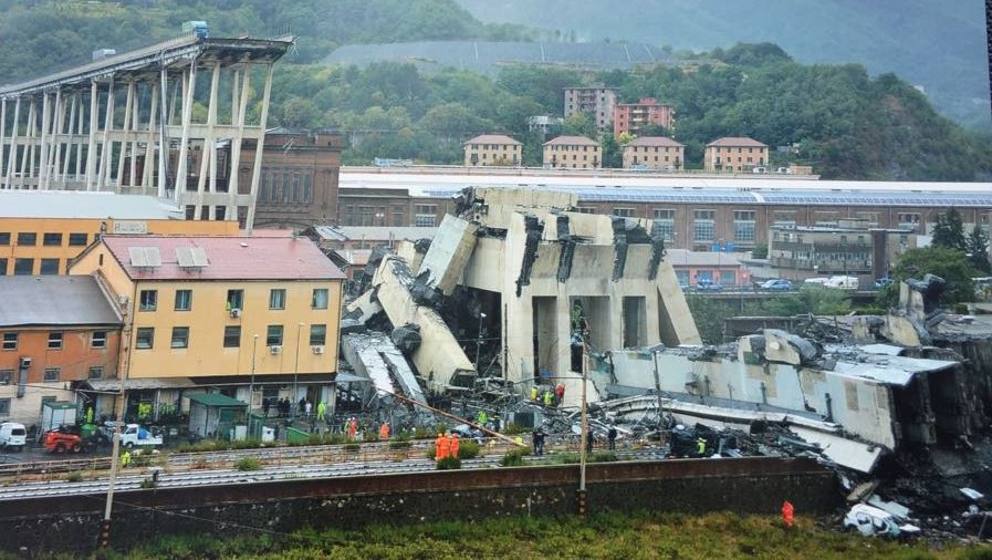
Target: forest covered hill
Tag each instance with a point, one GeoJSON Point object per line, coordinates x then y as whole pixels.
{"type": "Point", "coordinates": [940, 45]}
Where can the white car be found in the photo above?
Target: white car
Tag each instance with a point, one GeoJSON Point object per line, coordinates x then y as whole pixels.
{"type": "Point", "coordinates": [13, 436]}
{"type": "Point", "coordinates": [872, 521]}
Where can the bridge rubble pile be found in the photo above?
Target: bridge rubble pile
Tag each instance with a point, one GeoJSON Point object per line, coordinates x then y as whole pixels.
{"type": "Point", "coordinates": [518, 294]}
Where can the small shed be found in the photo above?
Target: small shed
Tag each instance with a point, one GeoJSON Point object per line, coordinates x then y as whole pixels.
{"type": "Point", "coordinates": [214, 414]}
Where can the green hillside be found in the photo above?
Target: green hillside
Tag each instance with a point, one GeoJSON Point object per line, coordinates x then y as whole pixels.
{"type": "Point", "coordinates": [937, 44]}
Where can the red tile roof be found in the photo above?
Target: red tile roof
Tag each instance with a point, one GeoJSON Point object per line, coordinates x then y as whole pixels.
{"type": "Point", "coordinates": [571, 141]}
{"type": "Point", "coordinates": [493, 139]}
{"type": "Point", "coordinates": [654, 141]}
{"type": "Point", "coordinates": [229, 258]}
{"type": "Point", "coordinates": [737, 141]}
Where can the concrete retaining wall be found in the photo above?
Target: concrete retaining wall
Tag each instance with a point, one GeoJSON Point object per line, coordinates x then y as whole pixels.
{"type": "Point", "coordinates": [751, 485]}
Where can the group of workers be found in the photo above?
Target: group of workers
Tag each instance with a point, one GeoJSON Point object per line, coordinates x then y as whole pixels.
{"type": "Point", "coordinates": [350, 429]}
{"type": "Point", "coordinates": [548, 396]}
{"type": "Point", "coordinates": [446, 446]}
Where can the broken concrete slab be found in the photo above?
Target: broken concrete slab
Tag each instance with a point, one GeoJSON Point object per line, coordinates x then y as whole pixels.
{"type": "Point", "coordinates": [448, 254]}
{"type": "Point", "coordinates": [787, 348]}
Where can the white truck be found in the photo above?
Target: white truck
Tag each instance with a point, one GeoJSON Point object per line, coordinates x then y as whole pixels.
{"type": "Point", "coordinates": [133, 435]}
{"type": "Point", "coordinates": [842, 282]}
{"type": "Point", "coordinates": [13, 436]}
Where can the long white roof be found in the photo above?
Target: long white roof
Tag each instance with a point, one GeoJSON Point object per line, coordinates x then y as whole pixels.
{"type": "Point", "coordinates": [85, 205]}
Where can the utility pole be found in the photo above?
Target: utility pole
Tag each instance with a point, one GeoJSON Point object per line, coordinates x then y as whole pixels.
{"type": "Point", "coordinates": [478, 344]}
{"type": "Point", "coordinates": [657, 389]}
{"type": "Point", "coordinates": [584, 433]}
{"type": "Point", "coordinates": [104, 538]}
{"type": "Point", "coordinates": [296, 371]}
{"type": "Point", "coordinates": [251, 380]}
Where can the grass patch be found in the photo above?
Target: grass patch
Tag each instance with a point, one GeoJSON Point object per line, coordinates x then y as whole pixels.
{"type": "Point", "coordinates": [449, 463]}
{"type": "Point", "coordinates": [248, 464]}
{"type": "Point", "coordinates": [74, 476]}
{"type": "Point", "coordinates": [718, 536]}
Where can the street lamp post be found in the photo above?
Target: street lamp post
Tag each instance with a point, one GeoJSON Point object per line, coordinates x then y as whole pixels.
{"type": "Point", "coordinates": [478, 345]}
{"type": "Point", "coordinates": [296, 367]}
{"type": "Point", "coordinates": [251, 379]}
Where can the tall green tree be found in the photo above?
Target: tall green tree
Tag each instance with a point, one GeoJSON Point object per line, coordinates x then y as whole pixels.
{"type": "Point", "coordinates": [612, 152]}
{"type": "Point", "coordinates": [948, 232]}
{"type": "Point", "coordinates": [978, 250]}
{"type": "Point", "coordinates": [950, 264]}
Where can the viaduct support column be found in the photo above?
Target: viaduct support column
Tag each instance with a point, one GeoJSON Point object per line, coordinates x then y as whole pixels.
{"type": "Point", "coordinates": [257, 164]}
{"type": "Point", "coordinates": [12, 155]}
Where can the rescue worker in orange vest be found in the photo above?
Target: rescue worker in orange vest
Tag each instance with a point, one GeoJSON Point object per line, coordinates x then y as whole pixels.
{"type": "Point", "coordinates": [453, 445]}
{"type": "Point", "coordinates": [788, 513]}
{"type": "Point", "coordinates": [441, 447]}
{"type": "Point", "coordinates": [384, 431]}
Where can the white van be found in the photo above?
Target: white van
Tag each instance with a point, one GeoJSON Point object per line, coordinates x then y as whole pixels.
{"type": "Point", "coordinates": [842, 282]}
{"type": "Point", "coordinates": [13, 436]}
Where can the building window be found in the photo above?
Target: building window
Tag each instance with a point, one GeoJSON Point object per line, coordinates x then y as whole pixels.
{"type": "Point", "coordinates": [704, 227]}
{"type": "Point", "coordinates": [180, 337]}
{"type": "Point", "coordinates": [148, 300]}
{"type": "Point", "coordinates": [3, 267]}
{"type": "Point", "coordinates": [5, 376]}
{"type": "Point", "coordinates": [825, 219]}
{"type": "Point", "coordinates": [273, 335]}
{"type": "Point", "coordinates": [96, 372]}
{"type": "Point", "coordinates": [9, 341]}
{"type": "Point", "coordinates": [624, 212]}
{"type": "Point", "coordinates": [98, 339]}
{"type": "Point", "coordinates": [784, 219]}
{"type": "Point", "coordinates": [184, 300]}
{"type": "Point", "coordinates": [52, 374]}
{"type": "Point", "coordinates": [77, 239]}
{"type": "Point", "coordinates": [232, 337]}
{"type": "Point", "coordinates": [909, 221]}
{"type": "Point", "coordinates": [319, 300]}
{"type": "Point", "coordinates": [4, 238]}
{"type": "Point", "coordinates": [23, 267]}
{"type": "Point", "coordinates": [4, 407]}
{"type": "Point", "coordinates": [27, 239]}
{"type": "Point", "coordinates": [144, 338]}
{"type": "Point", "coordinates": [744, 225]}
{"type": "Point", "coordinates": [728, 278]}
{"type": "Point", "coordinates": [55, 341]}
{"type": "Point", "coordinates": [52, 240]}
{"type": "Point", "coordinates": [235, 299]}
{"type": "Point", "coordinates": [49, 267]}
{"type": "Point", "coordinates": [585, 210]}
{"type": "Point", "coordinates": [664, 220]}
{"type": "Point", "coordinates": [277, 299]}
{"type": "Point", "coordinates": [318, 335]}
{"type": "Point", "coordinates": [425, 215]}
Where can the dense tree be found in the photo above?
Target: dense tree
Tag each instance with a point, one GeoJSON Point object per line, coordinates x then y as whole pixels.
{"type": "Point", "coordinates": [612, 152]}
{"type": "Point", "coordinates": [948, 232]}
{"type": "Point", "coordinates": [978, 250]}
{"type": "Point", "coordinates": [950, 264]}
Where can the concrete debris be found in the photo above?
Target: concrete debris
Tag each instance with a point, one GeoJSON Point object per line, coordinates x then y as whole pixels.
{"type": "Point", "coordinates": [407, 338]}
{"type": "Point", "coordinates": [897, 404]}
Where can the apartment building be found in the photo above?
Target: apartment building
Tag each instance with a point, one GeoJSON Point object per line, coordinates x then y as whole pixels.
{"type": "Point", "coordinates": [493, 150]}
{"type": "Point", "coordinates": [631, 117]}
{"type": "Point", "coordinates": [573, 152]}
{"type": "Point", "coordinates": [55, 331]}
{"type": "Point", "coordinates": [42, 231]}
{"type": "Point", "coordinates": [735, 155]}
{"type": "Point", "coordinates": [852, 247]}
{"type": "Point", "coordinates": [230, 312]}
{"type": "Point", "coordinates": [654, 152]}
{"type": "Point", "coordinates": [597, 101]}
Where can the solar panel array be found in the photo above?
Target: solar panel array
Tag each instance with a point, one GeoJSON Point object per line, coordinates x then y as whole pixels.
{"type": "Point", "coordinates": [758, 197]}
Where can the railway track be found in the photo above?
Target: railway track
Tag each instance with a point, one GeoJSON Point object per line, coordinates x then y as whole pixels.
{"type": "Point", "coordinates": [188, 479]}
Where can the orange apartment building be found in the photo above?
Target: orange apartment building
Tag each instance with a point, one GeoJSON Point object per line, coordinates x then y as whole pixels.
{"type": "Point", "coordinates": [654, 152]}
{"type": "Point", "coordinates": [42, 231]}
{"type": "Point", "coordinates": [55, 331]}
{"type": "Point", "coordinates": [631, 117]}
{"type": "Point", "coordinates": [735, 155]}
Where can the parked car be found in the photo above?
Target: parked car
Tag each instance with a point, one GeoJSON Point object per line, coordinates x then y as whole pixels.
{"type": "Point", "coordinates": [706, 285]}
{"type": "Point", "coordinates": [883, 282]}
{"type": "Point", "coordinates": [13, 436]}
{"type": "Point", "coordinates": [777, 285]}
